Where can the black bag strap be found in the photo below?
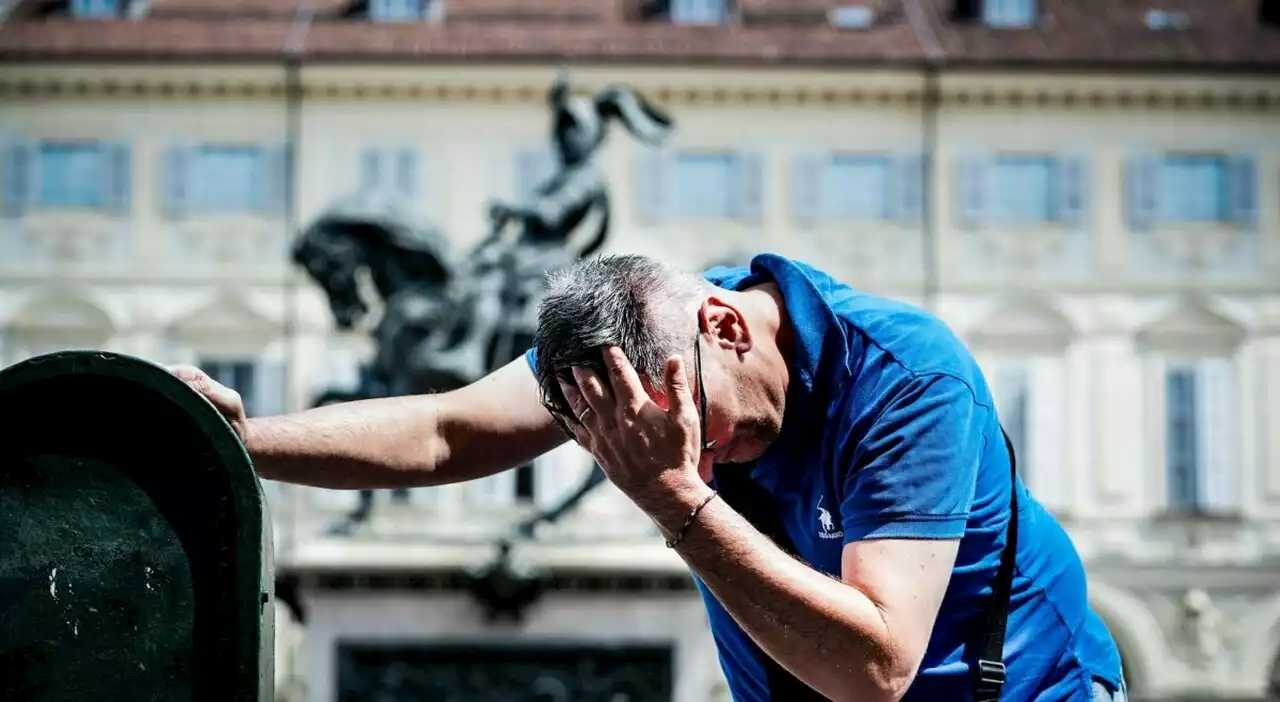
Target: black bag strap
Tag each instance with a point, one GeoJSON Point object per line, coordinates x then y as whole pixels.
{"type": "Point", "coordinates": [990, 676]}
{"type": "Point", "coordinates": [760, 508]}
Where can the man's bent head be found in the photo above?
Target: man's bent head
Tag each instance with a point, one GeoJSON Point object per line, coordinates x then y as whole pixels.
{"type": "Point", "coordinates": [653, 311]}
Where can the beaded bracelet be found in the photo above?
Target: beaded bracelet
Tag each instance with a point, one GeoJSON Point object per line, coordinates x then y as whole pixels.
{"type": "Point", "coordinates": [671, 543]}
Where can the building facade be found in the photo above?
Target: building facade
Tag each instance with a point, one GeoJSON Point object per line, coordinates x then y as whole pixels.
{"type": "Point", "coordinates": [1087, 191]}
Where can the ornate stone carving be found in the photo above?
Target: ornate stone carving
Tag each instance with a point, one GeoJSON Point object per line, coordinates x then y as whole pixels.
{"type": "Point", "coordinates": [74, 239]}
{"type": "Point", "coordinates": [219, 242]}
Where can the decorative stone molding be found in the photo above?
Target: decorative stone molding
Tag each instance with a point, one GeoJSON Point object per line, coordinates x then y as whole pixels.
{"type": "Point", "coordinates": [1028, 324]}
{"type": "Point", "coordinates": [240, 241]}
{"type": "Point", "coordinates": [68, 240]}
{"type": "Point", "coordinates": [905, 94]}
{"type": "Point", "coordinates": [1193, 325]}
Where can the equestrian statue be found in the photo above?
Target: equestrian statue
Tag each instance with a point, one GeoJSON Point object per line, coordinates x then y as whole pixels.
{"type": "Point", "coordinates": [449, 319]}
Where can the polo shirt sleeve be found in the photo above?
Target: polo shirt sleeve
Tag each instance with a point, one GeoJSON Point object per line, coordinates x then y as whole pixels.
{"type": "Point", "coordinates": [915, 470]}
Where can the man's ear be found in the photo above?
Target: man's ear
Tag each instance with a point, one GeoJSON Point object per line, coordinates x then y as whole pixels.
{"type": "Point", "coordinates": [726, 325]}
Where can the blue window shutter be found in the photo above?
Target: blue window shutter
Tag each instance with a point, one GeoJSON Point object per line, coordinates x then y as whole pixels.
{"type": "Point", "coordinates": [748, 196]}
{"type": "Point", "coordinates": [19, 177]}
{"type": "Point", "coordinates": [270, 382]}
{"type": "Point", "coordinates": [1218, 477]}
{"type": "Point", "coordinates": [971, 190]}
{"type": "Point", "coordinates": [119, 176]}
{"type": "Point", "coordinates": [806, 188]}
{"type": "Point", "coordinates": [273, 179]}
{"type": "Point", "coordinates": [1072, 188]}
{"type": "Point", "coordinates": [1142, 196]}
{"type": "Point", "coordinates": [370, 171]}
{"type": "Point", "coordinates": [652, 185]}
{"type": "Point", "coordinates": [408, 173]}
{"type": "Point", "coordinates": [1242, 190]}
{"type": "Point", "coordinates": [1181, 438]}
{"type": "Point", "coordinates": [909, 196]}
{"type": "Point", "coordinates": [176, 179]}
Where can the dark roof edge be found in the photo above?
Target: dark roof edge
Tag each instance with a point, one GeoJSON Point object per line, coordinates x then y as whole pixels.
{"type": "Point", "coordinates": [123, 58]}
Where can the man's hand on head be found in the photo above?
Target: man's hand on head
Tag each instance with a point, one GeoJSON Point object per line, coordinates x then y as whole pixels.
{"type": "Point", "coordinates": [652, 454]}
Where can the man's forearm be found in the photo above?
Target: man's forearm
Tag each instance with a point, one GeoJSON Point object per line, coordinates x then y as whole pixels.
{"type": "Point", "coordinates": [827, 633]}
{"type": "Point", "coordinates": [381, 443]}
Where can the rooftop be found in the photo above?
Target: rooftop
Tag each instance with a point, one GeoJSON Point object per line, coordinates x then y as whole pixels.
{"type": "Point", "coordinates": [1223, 35]}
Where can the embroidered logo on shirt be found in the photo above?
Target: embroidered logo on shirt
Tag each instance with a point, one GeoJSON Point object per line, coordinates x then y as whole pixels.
{"type": "Point", "coordinates": [827, 525]}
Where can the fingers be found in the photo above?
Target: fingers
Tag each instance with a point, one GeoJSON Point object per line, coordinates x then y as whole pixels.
{"type": "Point", "coordinates": [577, 404]}
{"type": "Point", "coordinates": [678, 394]}
{"type": "Point", "coordinates": [593, 391]}
{"type": "Point", "coordinates": [190, 374]}
{"type": "Point", "coordinates": [624, 380]}
{"type": "Point", "coordinates": [227, 400]}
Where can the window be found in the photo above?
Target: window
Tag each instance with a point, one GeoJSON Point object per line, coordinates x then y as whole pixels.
{"type": "Point", "coordinates": [857, 187]}
{"type": "Point", "coordinates": [1193, 188]}
{"type": "Point", "coordinates": [95, 9]}
{"type": "Point", "coordinates": [699, 184]}
{"type": "Point", "coordinates": [390, 171]}
{"type": "Point", "coordinates": [72, 174]}
{"type": "Point", "coordinates": [699, 11]}
{"type": "Point", "coordinates": [705, 185]}
{"type": "Point", "coordinates": [1009, 13]}
{"type": "Point", "coordinates": [1199, 427]}
{"type": "Point", "coordinates": [1030, 400]}
{"type": "Point", "coordinates": [227, 178]}
{"type": "Point", "coordinates": [1023, 189]}
{"type": "Point", "coordinates": [397, 10]}
{"type": "Point", "coordinates": [1013, 189]}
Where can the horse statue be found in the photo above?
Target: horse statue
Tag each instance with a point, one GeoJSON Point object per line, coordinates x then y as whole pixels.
{"type": "Point", "coordinates": [449, 319]}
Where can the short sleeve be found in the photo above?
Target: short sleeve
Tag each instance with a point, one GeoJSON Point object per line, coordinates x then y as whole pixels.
{"type": "Point", "coordinates": [915, 470]}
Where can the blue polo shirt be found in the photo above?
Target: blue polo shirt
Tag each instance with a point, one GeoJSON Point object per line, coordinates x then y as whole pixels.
{"type": "Point", "coordinates": [890, 431]}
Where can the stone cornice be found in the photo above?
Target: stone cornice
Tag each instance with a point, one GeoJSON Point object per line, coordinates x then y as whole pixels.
{"type": "Point", "coordinates": [820, 90]}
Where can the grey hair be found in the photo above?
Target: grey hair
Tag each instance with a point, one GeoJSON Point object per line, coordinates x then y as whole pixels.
{"type": "Point", "coordinates": [639, 304]}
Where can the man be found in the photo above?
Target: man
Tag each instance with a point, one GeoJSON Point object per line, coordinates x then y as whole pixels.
{"type": "Point", "coordinates": [854, 436]}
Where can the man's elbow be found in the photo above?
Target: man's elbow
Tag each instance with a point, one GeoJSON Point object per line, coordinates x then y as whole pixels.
{"type": "Point", "coordinates": [885, 677]}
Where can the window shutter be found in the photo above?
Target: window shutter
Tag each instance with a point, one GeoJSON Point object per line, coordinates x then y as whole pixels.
{"type": "Point", "coordinates": [1181, 438]}
{"type": "Point", "coordinates": [1072, 185]}
{"type": "Point", "coordinates": [118, 171]}
{"type": "Point", "coordinates": [408, 173]}
{"type": "Point", "coordinates": [270, 382]}
{"type": "Point", "coordinates": [176, 195]}
{"type": "Point", "coordinates": [19, 177]}
{"type": "Point", "coordinates": [653, 185]}
{"type": "Point", "coordinates": [1242, 189]}
{"type": "Point", "coordinates": [370, 171]}
{"type": "Point", "coordinates": [910, 189]}
{"type": "Point", "coordinates": [806, 188]}
{"type": "Point", "coordinates": [273, 179]}
{"type": "Point", "coordinates": [748, 196]}
{"type": "Point", "coordinates": [1045, 464]}
{"type": "Point", "coordinates": [1142, 186]}
{"type": "Point", "coordinates": [971, 190]}
{"type": "Point", "coordinates": [1218, 476]}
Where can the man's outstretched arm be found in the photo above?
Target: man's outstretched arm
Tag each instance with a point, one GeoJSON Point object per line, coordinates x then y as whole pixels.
{"type": "Point", "coordinates": [484, 428]}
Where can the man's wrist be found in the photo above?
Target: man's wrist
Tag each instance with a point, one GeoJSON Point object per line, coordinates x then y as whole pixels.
{"type": "Point", "coordinates": [670, 502]}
